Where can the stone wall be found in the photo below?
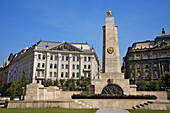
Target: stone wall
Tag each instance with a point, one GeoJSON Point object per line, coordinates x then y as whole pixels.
{"type": "Point", "coordinates": [78, 103]}
{"type": "Point", "coordinates": [36, 91]}
{"type": "Point", "coordinates": [161, 95]}
{"type": "Point", "coordinates": [68, 94]}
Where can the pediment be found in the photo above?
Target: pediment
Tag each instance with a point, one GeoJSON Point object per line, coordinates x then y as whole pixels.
{"type": "Point", "coordinates": [65, 46]}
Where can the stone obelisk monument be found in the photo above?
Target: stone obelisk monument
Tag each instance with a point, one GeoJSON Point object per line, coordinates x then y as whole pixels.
{"type": "Point", "coordinates": [111, 56]}
{"type": "Point", "coordinates": [111, 80]}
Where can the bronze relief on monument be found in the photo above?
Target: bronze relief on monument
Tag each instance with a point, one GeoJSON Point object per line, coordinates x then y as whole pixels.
{"type": "Point", "coordinates": [110, 50]}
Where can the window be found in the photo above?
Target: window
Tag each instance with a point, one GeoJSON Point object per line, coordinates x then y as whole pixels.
{"type": "Point", "coordinates": [89, 66]}
{"type": "Point", "coordinates": [66, 66]}
{"type": "Point", "coordinates": [156, 74]}
{"type": "Point", "coordinates": [62, 74]}
{"type": "Point", "coordinates": [154, 56]}
{"type": "Point", "coordinates": [146, 57]}
{"type": "Point", "coordinates": [131, 75]}
{"type": "Point", "coordinates": [77, 66]}
{"type": "Point", "coordinates": [85, 59]}
{"type": "Point", "coordinates": [43, 65]}
{"type": "Point", "coordinates": [51, 58]}
{"type": "Point", "coordinates": [62, 66]}
{"type": "Point", "coordinates": [89, 74]}
{"type": "Point", "coordinates": [147, 73]}
{"type": "Point", "coordinates": [39, 57]}
{"type": "Point", "coordinates": [146, 66]}
{"type": "Point", "coordinates": [77, 58]}
{"type": "Point", "coordinates": [164, 55]}
{"type": "Point", "coordinates": [138, 57]}
{"type": "Point", "coordinates": [130, 66]}
{"type": "Point", "coordinates": [73, 58]}
{"type": "Point", "coordinates": [84, 66]}
{"type": "Point", "coordinates": [55, 57]}
{"type": "Point", "coordinates": [55, 65]}
{"type": "Point", "coordinates": [77, 74]}
{"type": "Point", "coordinates": [43, 57]}
{"type": "Point", "coordinates": [42, 74]}
{"type": "Point", "coordinates": [73, 66]}
{"type": "Point", "coordinates": [155, 65]}
{"type": "Point", "coordinates": [66, 74]}
{"type": "Point", "coordinates": [138, 66]}
{"type": "Point", "coordinates": [84, 75]}
{"type": "Point", "coordinates": [73, 74]}
{"type": "Point", "coordinates": [51, 65]}
{"type": "Point", "coordinates": [55, 74]}
{"type": "Point", "coordinates": [66, 58]}
{"type": "Point", "coordinates": [139, 74]}
{"type": "Point", "coordinates": [38, 73]}
{"type": "Point", "coordinates": [51, 74]}
{"type": "Point", "coordinates": [89, 59]}
{"type": "Point", "coordinates": [62, 58]}
{"type": "Point", "coordinates": [38, 65]}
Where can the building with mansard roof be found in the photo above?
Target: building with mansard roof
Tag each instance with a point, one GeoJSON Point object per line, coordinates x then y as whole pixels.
{"type": "Point", "coordinates": [147, 60]}
{"type": "Point", "coordinates": [54, 60]}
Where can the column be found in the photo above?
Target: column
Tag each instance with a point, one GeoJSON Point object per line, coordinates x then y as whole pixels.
{"type": "Point", "coordinates": [70, 66]}
{"type": "Point", "coordinates": [93, 74]}
{"type": "Point", "coordinates": [59, 66]}
{"type": "Point", "coordinates": [34, 67]}
{"type": "Point", "coordinates": [47, 65]}
{"type": "Point", "coordinates": [81, 65]}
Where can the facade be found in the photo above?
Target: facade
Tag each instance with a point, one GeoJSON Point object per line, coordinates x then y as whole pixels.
{"type": "Point", "coordinates": [54, 60]}
{"type": "Point", "coordinates": [4, 70]}
{"type": "Point", "coordinates": [147, 60]}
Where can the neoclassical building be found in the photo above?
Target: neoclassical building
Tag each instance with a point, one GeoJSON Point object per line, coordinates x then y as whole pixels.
{"type": "Point", "coordinates": [148, 60]}
{"type": "Point", "coordinates": [54, 60]}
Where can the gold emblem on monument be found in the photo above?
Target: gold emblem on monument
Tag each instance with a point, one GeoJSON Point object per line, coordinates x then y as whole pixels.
{"type": "Point", "coordinates": [110, 50]}
{"type": "Point", "coordinates": [109, 13]}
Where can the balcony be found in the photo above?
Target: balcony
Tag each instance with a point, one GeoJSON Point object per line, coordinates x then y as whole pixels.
{"type": "Point", "coordinates": [86, 70]}
{"type": "Point", "coordinates": [39, 78]}
{"type": "Point", "coordinates": [40, 68]}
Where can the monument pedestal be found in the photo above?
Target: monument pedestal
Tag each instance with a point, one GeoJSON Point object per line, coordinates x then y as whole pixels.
{"type": "Point", "coordinates": [114, 78]}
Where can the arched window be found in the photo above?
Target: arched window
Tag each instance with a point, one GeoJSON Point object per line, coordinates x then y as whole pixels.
{"type": "Point", "coordinates": [55, 65]}
{"type": "Point", "coordinates": [89, 66]}
{"type": "Point", "coordinates": [73, 66]}
{"type": "Point", "coordinates": [156, 74]}
{"type": "Point", "coordinates": [66, 66]}
{"type": "Point", "coordinates": [62, 74]}
{"type": "Point", "coordinates": [43, 65]}
{"type": "Point", "coordinates": [51, 65]}
{"type": "Point", "coordinates": [146, 73]}
{"type": "Point", "coordinates": [66, 74]}
{"type": "Point", "coordinates": [73, 74]}
{"type": "Point", "coordinates": [62, 66]}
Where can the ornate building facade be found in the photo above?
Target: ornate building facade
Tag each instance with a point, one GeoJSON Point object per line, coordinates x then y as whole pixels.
{"type": "Point", "coordinates": [147, 60]}
{"type": "Point", "coordinates": [54, 60]}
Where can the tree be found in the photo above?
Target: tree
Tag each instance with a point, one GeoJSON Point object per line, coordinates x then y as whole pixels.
{"type": "Point", "coordinates": [56, 83]}
{"type": "Point", "coordinates": [154, 85]}
{"type": "Point", "coordinates": [142, 85]}
{"type": "Point", "coordinates": [47, 83]}
{"type": "Point", "coordinates": [165, 79]}
{"type": "Point", "coordinates": [11, 91]}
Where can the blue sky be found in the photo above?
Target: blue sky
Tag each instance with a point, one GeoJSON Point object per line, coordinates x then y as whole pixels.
{"type": "Point", "coordinates": [23, 22]}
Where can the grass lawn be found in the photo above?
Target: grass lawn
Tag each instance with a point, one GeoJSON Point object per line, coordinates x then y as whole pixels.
{"type": "Point", "coordinates": [148, 111]}
{"type": "Point", "coordinates": [47, 110]}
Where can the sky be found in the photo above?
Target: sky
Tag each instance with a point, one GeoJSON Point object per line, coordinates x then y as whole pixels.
{"type": "Point", "coordinates": [24, 22]}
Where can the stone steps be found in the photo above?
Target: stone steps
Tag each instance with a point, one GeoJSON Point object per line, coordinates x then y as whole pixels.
{"type": "Point", "coordinates": [82, 104]}
{"type": "Point", "coordinates": [154, 105]}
